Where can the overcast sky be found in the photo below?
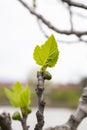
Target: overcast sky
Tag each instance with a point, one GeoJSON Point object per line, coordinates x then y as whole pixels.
{"type": "Point", "coordinates": [19, 34]}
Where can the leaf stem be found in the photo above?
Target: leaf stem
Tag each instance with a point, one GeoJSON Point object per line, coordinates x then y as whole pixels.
{"type": "Point", "coordinates": [43, 68]}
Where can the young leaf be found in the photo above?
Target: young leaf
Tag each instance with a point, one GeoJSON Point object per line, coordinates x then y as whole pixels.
{"type": "Point", "coordinates": [25, 97]}
{"type": "Point", "coordinates": [13, 98]}
{"type": "Point", "coordinates": [47, 54]}
{"type": "Point", "coordinates": [17, 87]}
{"type": "Point", "coordinates": [18, 96]}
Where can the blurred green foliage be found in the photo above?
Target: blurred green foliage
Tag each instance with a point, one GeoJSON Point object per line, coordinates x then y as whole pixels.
{"type": "Point", "coordinates": [59, 97]}
{"type": "Point", "coordinates": [3, 99]}
{"type": "Point", "coordinates": [65, 97]}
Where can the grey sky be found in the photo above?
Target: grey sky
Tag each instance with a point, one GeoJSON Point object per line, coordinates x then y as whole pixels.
{"type": "Point", "coordinates": [19, 34]}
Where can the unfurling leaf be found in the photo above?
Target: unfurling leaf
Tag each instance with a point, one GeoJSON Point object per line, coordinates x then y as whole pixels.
{"type": "Point", "coordinates": [25, 97]}
{"type": "Point", "coordinates": [26, 110]}
{"type": "Point", "coordinates": [47, 54]}
{"type": "Point", "coordinates": [18, 96]}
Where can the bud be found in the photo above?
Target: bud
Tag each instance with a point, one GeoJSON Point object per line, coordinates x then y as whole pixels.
{"type": "Point", "coordinates": [47, 75]}
{"type": "Point", "coordinates": [16, 116]}
{"type": "Point", "coordinates": [26, 110]}
{"type": "Point", "coordinates": [29, 110]}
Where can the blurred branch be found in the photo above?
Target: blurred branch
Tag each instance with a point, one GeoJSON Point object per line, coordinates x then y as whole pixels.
{"type": "Point", "coordinates": [70, 17]}
{"type": "Point", "coordinates": [41, 28]}
{"type": "Point", "coordinates": [75, 4]}
{"type": "Point", "coordinates": [76, 118]}
{"type": "Point", "coordinates": [59, 40]}
{"type": "Point", "coordinates": [5, 121]}
{"type": "Point", "coordinates": [49, 24]}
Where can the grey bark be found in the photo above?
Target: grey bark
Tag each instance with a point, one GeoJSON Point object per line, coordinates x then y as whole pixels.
{"type": "Point", "coordinates": [5, 121]}
{"type": "Point", "coordinates": [76, 117]}
{"type": "Point", "coordinates": [24, 123]}
{"type": "Point", "coordinates": [41, 102]}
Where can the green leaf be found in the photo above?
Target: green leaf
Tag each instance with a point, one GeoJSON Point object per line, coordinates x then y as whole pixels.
{"type": "Point", "coordinates": [13, 98]}
{"type": "Point", "coordinates": [47, 54]}
{"type": "Point", "coordinates": [18, 96]}
{"type": "Point", "coordinates": [25, 97]}
{"type": "Point", "coordinates": [17, 87]}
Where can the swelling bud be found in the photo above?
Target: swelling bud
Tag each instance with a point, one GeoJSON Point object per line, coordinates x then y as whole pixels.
{"type": "Point", "coordinates": [16, 116]}
{"type": "Point", "coordinates": [47, 75]}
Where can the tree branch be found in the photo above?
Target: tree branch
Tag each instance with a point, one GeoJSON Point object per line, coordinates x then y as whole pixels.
{"type": "Point", "coordinates": [75, 4]}
{"type": "Point", "coordinates": [41, 28]}
{"type": "Point", "coordinates": [70, 17]}
{"type": "Point", "coordinates": [24, 122]}
{"type": "Point", "coordinates": [48, 23]}
{"type": "Point", "coordinates": [76, 118]}
{"type": "Point", "coordinates": [41, 103]}
{"type": "Point", "coordinates": [5, 121]}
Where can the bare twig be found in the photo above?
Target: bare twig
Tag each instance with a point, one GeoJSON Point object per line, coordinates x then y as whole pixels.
{"type": "Point", "coordinates": [41, 103]}
{"type": "Point", "coordinates": [41, 29]}
{"type": "Point", "coordinates": [75, 4]}
{"type": "Point", "coordinates": [70, 17]}
{"type": "Point", "coordinates": [48, 23]}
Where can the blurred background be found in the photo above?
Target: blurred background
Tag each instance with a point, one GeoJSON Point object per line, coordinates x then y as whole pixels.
{"type": "Point", "coordinates": [21, 31]}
